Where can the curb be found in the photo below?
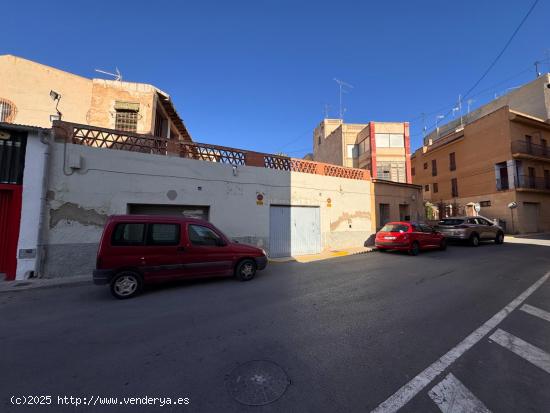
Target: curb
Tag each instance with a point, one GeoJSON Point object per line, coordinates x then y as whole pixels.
{"type": "Point", "coordinates": [25, 285]}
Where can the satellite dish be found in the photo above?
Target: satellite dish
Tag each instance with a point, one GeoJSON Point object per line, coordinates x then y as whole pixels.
{"type": "Point", "coordinates": [512, 205]}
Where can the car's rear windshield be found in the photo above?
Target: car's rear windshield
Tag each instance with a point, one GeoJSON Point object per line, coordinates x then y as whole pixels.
{"type": "Point", "coordinates": [395, 228]}
{"type": "Point", "coordinates": [451, 221]}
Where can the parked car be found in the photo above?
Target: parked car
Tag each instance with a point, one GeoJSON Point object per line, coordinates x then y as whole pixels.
{"type": "Point", "coordinates": [409, 236]}
{"type": "Point", "coordinates": [471, 229]}
{"type": "Point", "coordinates": [141, 249]}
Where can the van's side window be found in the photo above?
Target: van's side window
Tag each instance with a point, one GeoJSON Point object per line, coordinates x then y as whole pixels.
{"type": "Point", "coordinates": [199, 235]}
{"type": "Point", "coordinates": [128, 234]}
{"type": "Point", "coordinates": [163, 234]}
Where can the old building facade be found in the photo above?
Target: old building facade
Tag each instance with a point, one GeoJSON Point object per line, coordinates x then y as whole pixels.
{"type": "Point", "coordinates": [382, 148]}
{"type": "Point", "coordinates": [498, 160]}
{"type": "Point", "coordinates": [35, 94]}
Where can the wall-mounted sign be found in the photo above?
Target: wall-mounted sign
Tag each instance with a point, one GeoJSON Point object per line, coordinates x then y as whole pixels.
{"type": "Point", "coordinates": [259, 199]}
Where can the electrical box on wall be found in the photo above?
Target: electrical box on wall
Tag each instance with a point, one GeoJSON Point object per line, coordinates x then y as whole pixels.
{"type": "Point", "coordinates": [74, 160]}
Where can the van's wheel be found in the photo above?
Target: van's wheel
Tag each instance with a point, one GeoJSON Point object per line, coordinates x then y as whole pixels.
{"type": "Point", "coordinates": [246, 269]}
{"type": "Point", "coordinates": [499, 239]}
{"type": "Point", "coordinates": [415, 248]}
{"type": "Point", "coordinates": [443, 244]}
{"type": "Point", "coordinates": [474, 240]}
{"type": "Point", "coordinates": [126, 284]}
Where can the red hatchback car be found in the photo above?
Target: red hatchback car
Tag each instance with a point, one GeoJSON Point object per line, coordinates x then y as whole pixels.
{"type": "Point", "coordinates": [409, 236]}
{"type": "Point", "coordinates": [139, 249]}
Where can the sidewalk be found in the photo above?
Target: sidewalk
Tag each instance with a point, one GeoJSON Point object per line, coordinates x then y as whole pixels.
{"type": "Point", "coordinates": [540, 238]}
{"type": "Point", "coordinates": [325, 255]}
{"type": "Point", "coordinates": [31, 283]}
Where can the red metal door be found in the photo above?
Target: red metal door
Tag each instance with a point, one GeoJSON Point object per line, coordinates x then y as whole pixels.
{"type": "Point", "coordinates": [10, 216]}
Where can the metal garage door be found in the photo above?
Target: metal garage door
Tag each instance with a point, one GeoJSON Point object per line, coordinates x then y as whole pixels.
{"type": "Point", "coordinates": [530, 216]}
{"type": "Point", "coordinates": [294, 231]}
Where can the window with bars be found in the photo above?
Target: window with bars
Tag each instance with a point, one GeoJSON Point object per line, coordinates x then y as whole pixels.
{"type": "Point", "coordinates": [436, 188]}
{"type": "Point", "coordinates": [391, 171]}
{"type": "Point", "coordinates": [454, 187]}
{"type": "Point", "coordinates": [7, 111]}
{"type": "Point", "coordinates": [434, 167]}
{"type": "Point", "coordinates": [452, 161]}
{"type": "Point", "coordinates": [126, 120]}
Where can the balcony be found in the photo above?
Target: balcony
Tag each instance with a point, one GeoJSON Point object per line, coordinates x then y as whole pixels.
{"type": "Point", "coordinates": [524, 149]}
{"type": "Point", "coordinates": [524, 182]}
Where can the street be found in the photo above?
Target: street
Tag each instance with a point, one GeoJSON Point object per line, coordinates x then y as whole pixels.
{"type": "Point", "coordinates": [346, 335]}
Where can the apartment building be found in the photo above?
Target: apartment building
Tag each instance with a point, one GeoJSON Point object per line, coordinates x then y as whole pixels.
{"type": "Point", "coordinates": [383, 148]}
{"type": "Point", "coordinates": [35, 94]}
{"type": "Point", "coordinates": [497, 160]}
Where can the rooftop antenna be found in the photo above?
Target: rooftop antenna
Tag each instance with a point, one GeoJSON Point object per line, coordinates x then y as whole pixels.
{"type": "Point", "coordinates": [117, 76]}
{"type": "Point", "coordinates": [424, 127]}
{"type": "Point", "coordinates": [537, 73]}
{"type": "Point", "coordinates": [469, 102]}
{"type": "Point", "coordinates": [343, 85]}
{"type": "Point", "coordinates": [326, 110]}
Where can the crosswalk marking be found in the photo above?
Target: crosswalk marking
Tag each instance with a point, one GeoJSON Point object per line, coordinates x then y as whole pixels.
{"type": "Point", "coordinates": [451, 396]}
{"type": "Point", "coordinates": [529, 352]}
{"type": "Point", "coordinates": [410, 389]}
{"type": "Point", "coordinates": [537, 312]}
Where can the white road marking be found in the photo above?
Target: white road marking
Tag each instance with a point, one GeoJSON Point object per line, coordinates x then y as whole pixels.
{"type": "Point", "coordinates": [522, 348]}
{"type": "Point", "coordinates": [451, 396]}
{"type": "Point", "coordinates": [537, 312]}
{"type": "Point", "coordinates": [411, 389]}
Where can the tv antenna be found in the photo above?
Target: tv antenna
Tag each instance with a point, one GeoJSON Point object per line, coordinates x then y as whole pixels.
{"type": "Point", "coordinates": [117, 75]}
{"type": "Point", "coordinates": [326, 110]}
{"type": "Point", "coordinates": [344, 88]}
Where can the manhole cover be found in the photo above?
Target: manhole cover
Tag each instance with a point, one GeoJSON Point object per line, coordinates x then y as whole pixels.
{"type": "Point", "coordinates": [257, 382]}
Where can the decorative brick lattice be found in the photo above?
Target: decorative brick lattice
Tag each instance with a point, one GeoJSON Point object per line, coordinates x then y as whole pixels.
{"type": "Point", "coordinates": [212, 153]}
{"type": "Point", "coordinates": [127, 141]}
{"type": "Point", "coordinates": [112, 139]}
{"type": "Point", "coordinates": [289, 164]}
{"type": "Point", "coordinates": [342, 172]}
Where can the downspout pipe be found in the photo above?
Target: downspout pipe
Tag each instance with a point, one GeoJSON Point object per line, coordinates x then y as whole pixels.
{"type": "Point", "coordinates": [46, 139]}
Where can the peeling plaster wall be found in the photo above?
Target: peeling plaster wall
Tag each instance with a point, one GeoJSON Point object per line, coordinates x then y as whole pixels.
{"type": "Point", "coordinates": [109, 180]}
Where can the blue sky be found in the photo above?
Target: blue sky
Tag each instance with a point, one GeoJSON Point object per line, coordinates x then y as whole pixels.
{"type": "Point", "coordinates": [257, 74]}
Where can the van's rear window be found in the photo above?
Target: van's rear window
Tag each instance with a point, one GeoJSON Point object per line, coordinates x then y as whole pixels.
{"type": "Point", "coordinates": [395, 228]}
{"type": "Point", "coordinates": [128, 234]}
{"type": "Point", "coordinates": [451, 221]}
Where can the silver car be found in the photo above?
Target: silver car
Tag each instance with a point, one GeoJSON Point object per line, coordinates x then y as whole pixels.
{"type": "Point", "coordinates": [471, 229]}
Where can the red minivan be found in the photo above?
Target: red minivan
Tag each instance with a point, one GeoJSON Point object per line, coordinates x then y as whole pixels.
{"type": "Point", "coordinates": [409, 236]}
{"type": "Point", "coordinates": [140, 249]}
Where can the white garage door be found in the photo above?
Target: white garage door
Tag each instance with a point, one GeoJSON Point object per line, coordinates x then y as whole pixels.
{"type": "Point", "coordinates": [294, 231]}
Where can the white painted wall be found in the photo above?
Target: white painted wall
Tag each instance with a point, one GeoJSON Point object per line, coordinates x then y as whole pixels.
{"type": "Point", "coordinates": [109, 180]}
{"type": "Point", "coordinates": [33, 186]}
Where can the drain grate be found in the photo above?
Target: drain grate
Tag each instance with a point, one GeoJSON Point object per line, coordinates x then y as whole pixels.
{"type": "Point", "coordinates": [257, 382]}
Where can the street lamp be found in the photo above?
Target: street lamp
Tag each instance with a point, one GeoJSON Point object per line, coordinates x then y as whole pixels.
{"type": "Point", "coordinates": [56, 97]}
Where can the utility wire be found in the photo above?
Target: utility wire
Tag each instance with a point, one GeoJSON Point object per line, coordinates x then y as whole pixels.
{"type": "Point", "coordinates": [502, 51]}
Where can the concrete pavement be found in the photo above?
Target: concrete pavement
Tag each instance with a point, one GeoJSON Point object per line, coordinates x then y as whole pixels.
{"type": "Point", "coordinates": [348, 333]}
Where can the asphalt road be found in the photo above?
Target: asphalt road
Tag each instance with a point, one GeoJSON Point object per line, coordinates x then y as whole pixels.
{"type": "Point", "coordinates": [348, 332]}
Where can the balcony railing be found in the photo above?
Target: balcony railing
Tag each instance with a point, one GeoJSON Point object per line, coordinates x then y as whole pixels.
{"type": "Point", "coordinates": [96, 137]}
{"type": "Point", "coordinates": [532, 182]}
{"type": "Point", "coordinates": [526, 148]}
